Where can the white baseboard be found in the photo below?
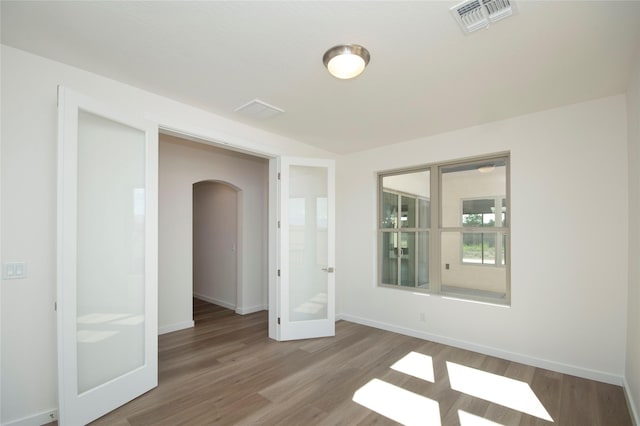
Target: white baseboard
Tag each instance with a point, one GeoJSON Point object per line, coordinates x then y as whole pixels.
{"type": "Point", "coordinates": [250, 309]}
{"type": "Point", "coordinates": [238, 309]}
{"type": "Point", "coordinates": [36, 419]}
{"type": "Point", "coordinates": [633, 410]}
{"type": "Point", "coordinates": [487, 350]}
{"type": "Point", "coordinates": [175, 327]}
{"type": "Point", "coordinates": [215, 301]}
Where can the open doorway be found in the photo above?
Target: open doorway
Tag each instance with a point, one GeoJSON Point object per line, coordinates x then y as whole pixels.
{"type": "Point", "coordinates": [183, 163]}
{"type": "Point", "coordinates": [216, 208]}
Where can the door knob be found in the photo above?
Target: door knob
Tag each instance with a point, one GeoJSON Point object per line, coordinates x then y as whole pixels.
{"type": "Point", "coordinates": [328, 269]}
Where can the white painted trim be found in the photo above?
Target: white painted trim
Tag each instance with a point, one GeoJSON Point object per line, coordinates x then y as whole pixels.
{"type": "Point", "coordinates": [250, 309]}
{"type": "Point", "coordinates": [215, 301]}
{"type": "Point", "coordinates": [175, 327]}
{"type": "Point", "coordinates": [633, 410]}
{"type": "Point", "coordinates": [38, 419]}
{"type": "Point", "coordinates": [559, 367]}
{"type": "Point", "coordinates": [238, 309]}
{"type": "Point", "coordinates": [273, 258]}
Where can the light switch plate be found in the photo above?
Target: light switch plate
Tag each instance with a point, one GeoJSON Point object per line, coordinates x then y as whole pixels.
{"type": "Point", "coordinates": [14, 270]}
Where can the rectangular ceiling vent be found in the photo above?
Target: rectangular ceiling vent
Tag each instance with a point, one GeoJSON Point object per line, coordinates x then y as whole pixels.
{"type": "Point", "coordinates": [473, 15]}
{"type": "Point", "coordinates": [259, 110]}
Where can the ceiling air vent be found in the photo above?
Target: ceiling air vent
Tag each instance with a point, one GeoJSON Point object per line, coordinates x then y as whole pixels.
{"type": "Point", "coordinates": [475, 14]}
{"type": "Point", "coordinates": [259, 110]}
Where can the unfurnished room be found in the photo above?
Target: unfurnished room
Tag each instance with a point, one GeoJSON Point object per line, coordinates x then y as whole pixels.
{"type": "Point", "coordinates": [320, 212]}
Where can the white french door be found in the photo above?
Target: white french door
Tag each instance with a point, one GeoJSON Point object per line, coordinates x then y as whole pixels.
{"type": "Point", "coordinates": [306, 297]}
{"type": "Point", "coordinates": [107, 257]}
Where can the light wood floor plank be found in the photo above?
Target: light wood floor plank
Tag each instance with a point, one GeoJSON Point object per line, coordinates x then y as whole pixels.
{"type": "Point", "coordinates": [226, 371]}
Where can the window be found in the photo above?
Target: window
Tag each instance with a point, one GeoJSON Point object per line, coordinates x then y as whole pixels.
{"type": "Point", "coordinates": [443, 229]}
{"type": "Point", "coordinates": [483, 247]}
{"type": "Point", "coordinates": [405, 224]}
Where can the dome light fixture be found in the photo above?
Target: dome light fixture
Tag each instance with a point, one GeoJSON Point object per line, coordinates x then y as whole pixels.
{"type": "Point", "coordinates": [488, 168]}
{"type": "Point", "coordinates": [346, 60]}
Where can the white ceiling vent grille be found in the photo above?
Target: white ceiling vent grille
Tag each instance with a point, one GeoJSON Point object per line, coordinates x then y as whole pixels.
{"type": "Point", "coordinates": [259, 110]}
{"type": "Point", "coordinates": [475, 14]}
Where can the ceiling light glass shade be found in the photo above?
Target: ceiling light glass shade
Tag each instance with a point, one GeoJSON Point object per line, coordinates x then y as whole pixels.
{"type": "Point", "coordinates": [346, 61]}
{"type": "Point", "coordinates": [486, 169]}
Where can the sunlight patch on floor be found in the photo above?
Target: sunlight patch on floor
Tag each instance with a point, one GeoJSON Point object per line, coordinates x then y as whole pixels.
{"type": "Point", "coordinates": [416, 365]}
{"type": "Point", "coordinates": [398, 404]}
{"type": "Point", "coordinates": [468, 419]}
{"type": "Point", "coordinates": [507, 392]}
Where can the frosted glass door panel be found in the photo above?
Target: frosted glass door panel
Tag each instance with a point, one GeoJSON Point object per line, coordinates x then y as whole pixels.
{"type": "Point", "coordinates": [110, 250]}
{"type": "Point", "coordinates": [107, 245]}
{"type": "Point", "coordinates": [308, 213]}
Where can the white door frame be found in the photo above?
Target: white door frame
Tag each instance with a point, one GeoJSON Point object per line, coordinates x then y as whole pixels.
{"type": "Point", "coordinates": [206, 138]}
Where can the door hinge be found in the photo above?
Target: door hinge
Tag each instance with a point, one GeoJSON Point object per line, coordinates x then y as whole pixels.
{"type": "Point", "coordinates": [278, 175]}
{"type": "Point", "coordinates": [278, 320]}
{"type": "Point", "coordinates": [55, 306]}
{"type": "Point", "coordinates": [278, 272]}
{"type": "Point", "coordinates": [278, 224]}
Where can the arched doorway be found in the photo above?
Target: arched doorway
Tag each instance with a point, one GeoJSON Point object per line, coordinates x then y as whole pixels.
{"type": "Point", "coordinates": [216, 210]}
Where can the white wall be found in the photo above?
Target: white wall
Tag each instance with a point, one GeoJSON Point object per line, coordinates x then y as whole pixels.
{"type": "Point", "coordinates": [215, 242]}
{"type": "Point", "coordinates": [28, 203]}
{"type": "Point", "coordinates": [632, 371]}
{"type": "Point", "coordinates": [183, 163]}
{"type": "Point", "coordinates": [569, 241]}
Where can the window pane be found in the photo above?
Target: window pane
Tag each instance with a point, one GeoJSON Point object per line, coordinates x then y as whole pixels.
{"type": "Point", "coordinates": [472, 248]}
{"type": "Point", "coordinates": [408, 216]}
{"type": "Point", "coordinates": [504, 213]}
{"type": "Point", "coordinates": [412, 187]}
{"type": "Point", "coordinates": [424, 213]}
{"type": "Point", "coordinates": [470, 191]}
{"type": "Point", "coordinates": [479, 247]}
{"type": "Point", "coordinates": [423, 259]}
{"type": "Point", "coordinates": [408, 259]}
{"type": "Point", "coordinates": [389, 210]}
{"type": "Point", "coordinates": [472, 278]}
{"type": "Point", "coordinates": [389, 258]}
{"type": "Point", "coordinates": [488, 248]}
{"type": "Point", "coordinates": [503, 259]}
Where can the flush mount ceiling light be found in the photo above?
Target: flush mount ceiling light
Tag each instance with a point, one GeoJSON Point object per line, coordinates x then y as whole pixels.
{"type": "Point", "coordinates": [486, 168]}
{"type": "Point", "coordinates": [346, 61]}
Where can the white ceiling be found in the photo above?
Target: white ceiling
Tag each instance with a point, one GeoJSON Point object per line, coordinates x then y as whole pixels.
{"type": "Point", "coordinates": [425, 76]}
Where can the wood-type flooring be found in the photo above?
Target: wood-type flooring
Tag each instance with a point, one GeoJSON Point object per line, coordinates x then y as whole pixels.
{"type": "Point", "coordinates": [226, 371]}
